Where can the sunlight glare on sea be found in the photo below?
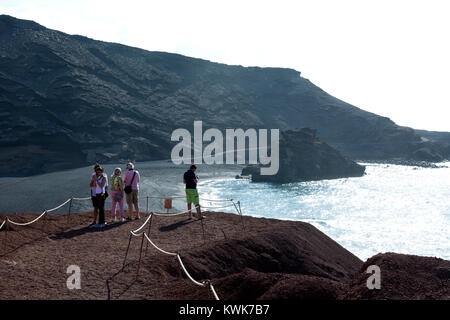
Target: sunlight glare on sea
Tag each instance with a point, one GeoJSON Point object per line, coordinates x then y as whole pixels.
{"type": "Point", "coordinates": [392, 208]}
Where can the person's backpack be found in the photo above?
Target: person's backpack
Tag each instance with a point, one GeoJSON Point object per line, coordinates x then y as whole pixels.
{"type": "Point", "coordinates": [116, 183]}
{"type": "Point", "coordinates": [128, 189]}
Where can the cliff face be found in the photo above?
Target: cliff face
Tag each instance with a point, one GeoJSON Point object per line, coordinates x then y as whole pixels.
{"type": "Point", "coordinates": [305, 157]}
{"type": "Point", "coordinates": [442, 139]}
{"type": "Point", "coordinates": [68, 100]}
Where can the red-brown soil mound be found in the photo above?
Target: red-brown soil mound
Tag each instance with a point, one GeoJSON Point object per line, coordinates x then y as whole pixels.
{"type": "Point", "coordinates": [403, 277]}
{"type": "Point", "coordinates": [252, 258]}
{"type": "Point", "coordinates": [259, 258]}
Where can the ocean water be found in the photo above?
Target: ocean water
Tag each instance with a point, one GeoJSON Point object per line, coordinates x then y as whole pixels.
{"type": "Point", "coordinates": [392, 208]}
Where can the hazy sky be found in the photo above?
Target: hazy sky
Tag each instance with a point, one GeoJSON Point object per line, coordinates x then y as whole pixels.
{"type": "Point", "coordinates": [388, 57]}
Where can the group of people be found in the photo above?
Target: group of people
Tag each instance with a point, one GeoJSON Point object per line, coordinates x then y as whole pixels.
{"type": "Point", "coordinates": [129, 186]}
{"type": "Point", "coordinates": [99, 192]}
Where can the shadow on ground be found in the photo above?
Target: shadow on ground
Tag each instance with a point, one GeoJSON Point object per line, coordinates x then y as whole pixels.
{"type": "Point", "coordinates": [88, 229]}
{"type": "Point", "coordinates": [175, 225]}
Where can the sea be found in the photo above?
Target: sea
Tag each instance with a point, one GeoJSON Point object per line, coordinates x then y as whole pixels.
{"type": "Point", "coordinates": [392, 208]}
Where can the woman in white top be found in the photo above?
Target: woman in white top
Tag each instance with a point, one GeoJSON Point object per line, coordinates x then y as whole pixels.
{"type": "Point", "coordinates": [99, 182]}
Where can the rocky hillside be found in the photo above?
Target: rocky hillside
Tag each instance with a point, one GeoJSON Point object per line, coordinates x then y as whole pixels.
{"type": "Point", "coordinates": [303, 157]}
{"type": "Point", "coordinates": [442, 138]}
{"type": "Point", "coordinates": [67, 100]}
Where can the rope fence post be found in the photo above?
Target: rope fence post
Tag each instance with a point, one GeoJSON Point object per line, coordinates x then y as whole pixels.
{"type": "Point", "coordinates": [203, 228]}
{"type": "Point", "coordinates": [180, 270]}
{"type": "Point", "coordinates": [5, 240]}
{"type": "Point", "coordinates": [213, 290]}
{"type": "Point", "coordinates": [148, 233]}
{"type": "Point", "coordinates": [147, 204]}
{"type": "Point", "coordinates": [45, 222]}
{"type": "Point", "coordinates": [126, 253]}
{"type": "Point", "coordinates": [70, 210]}
{"type": "Point", "coordinates": [208, 287]}
{"type": "Point", "coordinates": [239, 211]}
{"type": "Point", "coordinates": [140, 256]}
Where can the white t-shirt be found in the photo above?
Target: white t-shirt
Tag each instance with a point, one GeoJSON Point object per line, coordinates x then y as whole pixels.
{"type": "Point", "coordinates": [97, 190]}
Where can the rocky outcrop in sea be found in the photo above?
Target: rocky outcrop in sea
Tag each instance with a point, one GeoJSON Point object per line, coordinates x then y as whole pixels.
{"type": "Point", "coordinates": [304, 157]}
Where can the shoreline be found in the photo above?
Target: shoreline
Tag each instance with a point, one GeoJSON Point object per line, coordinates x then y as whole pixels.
{"type": "Point", "coordinates": [168, 163]}
{"type": "Point", "coordinates": [410, 163]}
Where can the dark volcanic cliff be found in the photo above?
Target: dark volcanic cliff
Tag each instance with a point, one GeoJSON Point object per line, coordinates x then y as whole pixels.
{"type": "Point", "coordinates": [68, 100]}
{"type": "Point", "coordinates": [304, 157]}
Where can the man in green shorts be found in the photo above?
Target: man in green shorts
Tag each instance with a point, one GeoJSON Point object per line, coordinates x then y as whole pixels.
{"type": "Point", "coordinates": [190, 180]}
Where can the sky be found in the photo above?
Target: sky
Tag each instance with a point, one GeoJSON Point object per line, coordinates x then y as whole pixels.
{"type": "Point", "coordinates": [387, 57]}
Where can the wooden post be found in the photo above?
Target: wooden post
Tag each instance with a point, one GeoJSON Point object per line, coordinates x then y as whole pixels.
{"type": "Point", "coordinates": [208, 288]}
{"type": "Point", "coordinates": [45, 222]}
{"type": "Point", "coordinates": [180, 271]}
{"type": "Point", "coordinates": [240, 212]}
{"type": "Point", "coordinates": [147, 205]}
{"type": "Point", "coordinates": [148, 233]}
{"type": "Point", "coordinates": [126, 253]}
{"type": "Point", "coordinates": [140, 256]}
{"type": "Point", "coordinates": [70, 210]}
{"type": "Point", "coordinates": [203, 228]}
{"type": "Point", "coordinates": [6, 236]}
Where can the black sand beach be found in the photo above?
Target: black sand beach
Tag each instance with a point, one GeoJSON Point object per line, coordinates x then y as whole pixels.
{"type": "Point", "coordinates": [42, 192]}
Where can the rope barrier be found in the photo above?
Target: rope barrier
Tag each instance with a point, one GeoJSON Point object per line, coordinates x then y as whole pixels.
{"type": "Point", "coordinates": [163, 214]}
{"type": "Point", "coordinates": [35, 220]}
{"type": "Point", "coordinates": [187, 273]}
{"type": "Point", "coordinates": [227, 206]}
{"type": "Point", "coordinates": [216, 200]}
{"type": "Point", "coordinates": [143, 225]}
{"type": "Point", "coordinates": [158, 248]}
{"type": "Point", "coordinates": [61, 205]}
{"type": "Point", "coordinates": [174, 197]}
{"type": "Point", "coordinates": [179, 197]}
{"type": "Point", "coordinates": [42, 214]}
{"type": "Point", "coordinates": [213, 290]}
{"type": "Point", "coordinates": [135, 234]}
{"type": "Point", "coordinates": [135, 231]}
{"type": "Point", "coordinates": [201, 284]}
{"type": "Point", "coordinates": [26, 223]}
{"type": "Point", "coordinates": [87, 198]}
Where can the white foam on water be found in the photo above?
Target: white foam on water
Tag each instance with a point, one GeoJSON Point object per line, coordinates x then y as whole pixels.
{"type": "Point", "coordinates": [392, 208]}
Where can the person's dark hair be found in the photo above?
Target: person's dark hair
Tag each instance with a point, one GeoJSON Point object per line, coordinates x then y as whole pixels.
{"type": "Point", "coordinates": [193, 167]}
